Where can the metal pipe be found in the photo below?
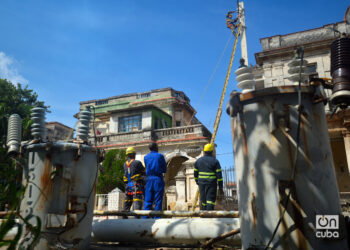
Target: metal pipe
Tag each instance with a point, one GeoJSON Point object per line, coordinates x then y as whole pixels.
{"type": "Point", "coordinates": [203, 214]}
{"type": "Point", "coordinates": [190, 231]}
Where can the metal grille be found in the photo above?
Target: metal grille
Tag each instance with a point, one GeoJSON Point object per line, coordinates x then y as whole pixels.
{"type": "Point", "coordinates": [230, 199]}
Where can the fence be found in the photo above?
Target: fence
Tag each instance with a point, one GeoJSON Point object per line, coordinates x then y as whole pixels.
{"type": "Point", "coordinates": [230, 200]}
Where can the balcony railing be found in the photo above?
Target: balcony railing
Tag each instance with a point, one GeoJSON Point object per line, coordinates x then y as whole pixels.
{"type": "Point", "coordinates": [159, 134]}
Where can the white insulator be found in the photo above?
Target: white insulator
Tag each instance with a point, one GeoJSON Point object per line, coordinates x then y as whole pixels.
{"type": "Point", "coordinates": [83, 128]}
{"type": "Point", "coordinates": [294, 70]}
{"type": "Point", "coordinates": [38, 126]}
{"type": "Point", "coordinates": [245, 79]}
{"type": "Point", "coordinates": [14, 134]}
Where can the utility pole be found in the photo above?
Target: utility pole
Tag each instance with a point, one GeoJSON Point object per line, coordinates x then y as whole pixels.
{"type": "Point", "coordinates": [244, 49]}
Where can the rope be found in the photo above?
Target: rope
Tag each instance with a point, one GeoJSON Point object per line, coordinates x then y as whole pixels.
{"type": "Point", "coordinates": [214, 71]}
{"type": "Point", "coordinates": [206, 88]}
{"type": "Point", "coordinates": [219, 112]}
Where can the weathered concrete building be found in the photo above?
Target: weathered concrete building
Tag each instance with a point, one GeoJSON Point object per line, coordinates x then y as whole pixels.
{"type": "Point", "coordinates": [162, 115]}
{"type": "Point", "coordinates": [272, 68]}
{"type": "Point", "coordinates": [56, 131]}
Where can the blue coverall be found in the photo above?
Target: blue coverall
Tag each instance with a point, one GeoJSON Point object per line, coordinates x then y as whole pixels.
{"type": "Point", "coordinates": [155, 167]}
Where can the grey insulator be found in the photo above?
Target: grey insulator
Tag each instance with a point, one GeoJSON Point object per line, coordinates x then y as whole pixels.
{"type": "Point", "coordinates": [38, 126]}
{"type": "Point", "coordinates": [14, 134]}
{"type": "Point", "coordinates": [245, 78]}
{"type": "Point", "coordinates": [84, 121]}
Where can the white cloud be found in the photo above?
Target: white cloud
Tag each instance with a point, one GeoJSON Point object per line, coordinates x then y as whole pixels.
{"type": "Point", "coordinates": [8, 69]}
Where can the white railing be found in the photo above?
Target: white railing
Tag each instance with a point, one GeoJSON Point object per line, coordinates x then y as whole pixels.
{"type": "Point", "coordinates": [159, 134]}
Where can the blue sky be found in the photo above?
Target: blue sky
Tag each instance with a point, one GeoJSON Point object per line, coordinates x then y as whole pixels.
{"type": "Point", "coordinates": [71, 51]}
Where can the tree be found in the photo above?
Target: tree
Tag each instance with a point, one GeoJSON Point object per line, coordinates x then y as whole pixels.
{"type": "Point", "coordinates": [14, 99]}
{"type": "Point", "coordinates": [112, 174]}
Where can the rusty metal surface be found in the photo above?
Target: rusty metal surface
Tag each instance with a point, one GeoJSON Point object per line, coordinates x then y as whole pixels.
{"type": "Point", "coordinates": [60, 191]}
{"type": "Point", "coordinates": [263, 125]}
{"type": "Point", "coordinates": [167, 214]}
{"type": "Point", "coordinates": [274, 91]}
{"type": "Point", "coordinates": [192, 231]}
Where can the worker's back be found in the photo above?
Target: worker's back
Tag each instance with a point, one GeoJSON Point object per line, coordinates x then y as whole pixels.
{"type": "Point", "coordinates": [155, 167]}
{"type": "Point", "coordinates": [155, 164]}
{"type": "Point", "coordinates": [209, 170]}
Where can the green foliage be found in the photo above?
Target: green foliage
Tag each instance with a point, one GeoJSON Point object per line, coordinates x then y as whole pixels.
{"type": "Point", "coordinates": [13, 100]}
{"type": "Point", "coordinates": [112, 174]}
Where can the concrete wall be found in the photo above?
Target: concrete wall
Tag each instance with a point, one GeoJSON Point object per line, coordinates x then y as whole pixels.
{"type": "Point", "coordinates": [275, 71]}
{"type": "Point", "coordinates": [57, 132]}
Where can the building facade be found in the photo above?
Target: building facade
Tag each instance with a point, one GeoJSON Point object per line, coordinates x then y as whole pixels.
{"type": "Point", "coordinates": [56, 131]}
{"type": "Point", "coordinates": [272, 70]}
{"type": "Point", "coordinates": [161, 115]}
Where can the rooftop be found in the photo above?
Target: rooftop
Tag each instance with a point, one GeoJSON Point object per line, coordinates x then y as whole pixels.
{"type": "Point", "coordinates": [58, 123]}
{"type": "Point", "coordinates": [135, 94]}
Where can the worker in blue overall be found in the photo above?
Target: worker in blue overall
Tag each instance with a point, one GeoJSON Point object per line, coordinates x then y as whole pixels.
{"type": "Point", "coordinates": [207, 174]}
{"type": "Point", "coordinates": [155, 168]}
{"type": "Point", "coordinates": [134, 173]}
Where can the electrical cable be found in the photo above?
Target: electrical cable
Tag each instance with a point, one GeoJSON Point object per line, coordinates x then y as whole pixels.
{"type": "Point", "coordinates": [301, 53]}
{"type": "Point", "coordinates": [214, 71]}
{"type": "Point", "coordinates": [206, 87]}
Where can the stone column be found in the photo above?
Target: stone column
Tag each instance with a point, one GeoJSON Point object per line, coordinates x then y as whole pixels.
{"type": "Point", "coordinates": [180, 179]}
{"type": "Point", "coordinates": [191, 186]}
{"type": "Point", "coordinates": [267, 75]}
{"type": "Point", "coordinates": [100, 202]}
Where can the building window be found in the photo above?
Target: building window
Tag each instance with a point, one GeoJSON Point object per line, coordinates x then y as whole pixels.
{"type": "Point", "coordinates": [144, 95]}
{"type": "Point", "coordinates": [164, 124]}
{"type": "Point", "coordinates": [178, 123]}
{"type": "Point", "coordinates": [101, 102]}
{"type": "Point", "coordinates": [156, 123]}
{"type": "Point", "coordinates": [130, 123]}
{"type": "Point", "coordinates": [312, 70]}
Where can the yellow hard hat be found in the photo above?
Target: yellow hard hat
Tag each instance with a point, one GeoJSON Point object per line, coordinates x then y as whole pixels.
{"type": "Point", "coordinates": [130, 151]}
{"type": "Point", "coordinates": [208, 147]}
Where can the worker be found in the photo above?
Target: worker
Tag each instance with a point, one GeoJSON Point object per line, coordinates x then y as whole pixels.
{"type": "Point", "coordinates": [134, 173]}
{"type": "Point", "coordinates": [231, 22]}
{"type": "Point", "coordinates": [207, 174]}
{"type": "Point", "coordinates": [155, 168]}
